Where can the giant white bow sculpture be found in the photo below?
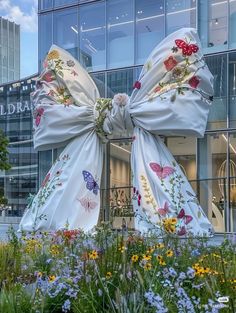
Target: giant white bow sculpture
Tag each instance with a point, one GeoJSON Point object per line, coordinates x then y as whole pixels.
{"type": "Point", "coordinates": [171, 97]}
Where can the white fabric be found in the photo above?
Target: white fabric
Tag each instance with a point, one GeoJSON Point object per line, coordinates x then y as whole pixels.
{"type": "Point", "coordinates": [172, 97]}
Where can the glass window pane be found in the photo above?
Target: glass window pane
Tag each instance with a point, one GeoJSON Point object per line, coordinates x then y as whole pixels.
{"type": "Point", "coordinates": [45, 4]}
{"type": "Point", "coordinates": [180, 14]}
{"type": "Point", "coordinates": [92, 36]}
{"type": "Point", "coordinates": [232, 24]}
{"type": "Point", "coordinates": [149, 27]}
{"type": "Point", "coordinates": [232, 89]}
{"type": "Point", "coordinates": [212, 171]}
{"type": "Point", "coordinates": [65, 30]}
{"type": "Point", "coordinates": [232, 168]}
{"type": "Point", "coordinates": [120, 81]}
{"type": "Point", "coordinates": [218, 110]}
{"type": "Point", "coordinates": [120, 16]}
{"type": "Point", "coordinates": [58, 3]}
{"type": "Point", "coordinates": [184, 151]}
{"type": "Point", "coordinates": [45, 36]}
{"type": "Point", "coordinates": [99, 79]}
{"type": "Point", "coordinates": [217, 23]}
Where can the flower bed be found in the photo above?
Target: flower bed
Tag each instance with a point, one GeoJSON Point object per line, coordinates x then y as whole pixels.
{"type": "Point", "coordinates": [69, 271]}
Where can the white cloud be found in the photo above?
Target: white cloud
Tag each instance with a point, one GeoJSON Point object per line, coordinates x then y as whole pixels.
{"type": "Point", "coordinates": [27, 21]}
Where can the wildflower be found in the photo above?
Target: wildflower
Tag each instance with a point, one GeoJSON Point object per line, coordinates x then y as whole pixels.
{"type": "Point", "coordinates": [169, 224]}
{"type": "Point", "coordinates": [172, 272]}
{"type": "Point", "coordinates": [150, 250]}
{"type": "Point", "coordinates": [147, 266]}
{"type": "Point", "coordinates": [108, 275]}
{"type": "Point", "coordinates": [93, 255]}
{"type": "Point", "coordinates": [169, 253]}
{"type": "Point", "coordinates": [66, 306]}
{"type": "Point", "coordinates": [51, 278]}
{"type": "Point", "coordinates": [134, 258]}
{"type": "Point", "coordinates": [54, 250]}
{"type": "Point", "coordinates": [156, 301]}
{"type": "Point", "coordinates": [160, 245]}
{"type": "Point", "coordinates": [121, 249]}
{"type": "Point", "coordinates": [147, 257]}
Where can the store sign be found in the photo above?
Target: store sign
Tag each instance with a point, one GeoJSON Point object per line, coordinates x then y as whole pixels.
{"type": "Point", "coordinates": [15, 108]}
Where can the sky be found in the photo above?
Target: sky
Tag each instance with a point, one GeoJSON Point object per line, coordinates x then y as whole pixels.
{"type": "Point", "coordinates": [24, 13]}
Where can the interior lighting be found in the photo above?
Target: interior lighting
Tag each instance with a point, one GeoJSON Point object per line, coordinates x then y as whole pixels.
{"type": "Point", "coordinates": [231, 147]}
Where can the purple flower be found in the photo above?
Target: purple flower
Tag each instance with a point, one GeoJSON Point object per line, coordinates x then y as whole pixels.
{"type": "Point", "coordinates": [66, 306]}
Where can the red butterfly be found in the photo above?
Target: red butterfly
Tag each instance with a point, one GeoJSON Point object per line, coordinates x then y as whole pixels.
{"type": "Point", "coordinates": [162, 172]}
{"type": "Point", "coordinates": [187, 49]}
{"type": "Point", "coordinates": [37, 115]}
{"type": "Point", "coordinates": [163, 211]}
{"type": "Point", "coordinates": [187, 218]}
{"type": "Point", "coordinates": [87, 204]}
{"type": "Point", "coordinates": [182, 231]}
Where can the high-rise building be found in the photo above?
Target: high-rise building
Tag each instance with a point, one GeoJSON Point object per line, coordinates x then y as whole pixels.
{"type": "Point", "coordinates": [9, 51]}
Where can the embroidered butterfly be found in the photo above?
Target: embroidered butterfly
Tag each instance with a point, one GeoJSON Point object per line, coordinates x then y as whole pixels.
{"type": "Point", "coordinates": [87, 204]}
{"type": "Point", "coordinates": [187, 218]}
{"type": "Point", "coordinates": [165, 210]}
{"type": "Point", "coordinates": [162, 172]}
{"type": "Point", "coordinates": [38, 113]}
{"type": "Point", "coordinates": [187, 49]}
{"type": "Point", "coordinates": [91, 185]}
{"type": "Point", "coordinates": [182, 231]}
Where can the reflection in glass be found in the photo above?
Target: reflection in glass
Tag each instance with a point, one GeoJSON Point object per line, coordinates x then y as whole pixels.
{"type": "Point", "coordinates": [149, 27]}
{"type": "Point", "coordinates": [180, 14]}
{"type": "Point", "coordinates": [184, 152]}
{"type": "Point", "coordinates": [217, 19]}
{"type": "Point", "coordinates": [65, 30]}
{"type": "Point", "coordinates": [232, 24]}
{"type": "Point", "coordinates": [45, 40]}
{"type": "Point", "coordinates": [120, 20]}
{"type": "Point", "coordinates": [99, 79]}
{"type": "Point", "coordinates": [232, 169]}
{"type": "Point", "coordinates": [58, 3]}
{"type": "Point", "coordinates": [45, 4]}
{"type": "Point", "coordinates": [92, 36]}
{"type": "Point", "coordinates": [212, 173]}
{"type": "Point", "coordinates": [120, 81]}
{"type": "Point", "coordinates": [232, 89]}
{"type": "Point", "coordinates": [218, 110]}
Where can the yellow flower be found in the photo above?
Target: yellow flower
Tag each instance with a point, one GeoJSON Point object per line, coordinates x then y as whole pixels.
{"type": "Point", "coordinates": [159, 258]}
{"type": "Point", "coordinates": [169, 224]}
{"type": "Point", "coordinates": [150, 250]}
{"type": "Point", "coordinates": [108, 275]}
{"type": "Point", "coordinates": [169, 253]}
{"type": "Point", "coordinates": [51, 278]}
{"type": "Point", "coordinates": [54, 250]}
{"type": "Point", "coordinates": [147, 266]}
{"type": "Point", "coordinates": [162, 262]}
{"type": "Point", "coordinates": [93, 255]}
{"type": "Point", "coordinates": [121, 249]}
{"type": "Point", "coordinates": [134, 258]}
{"type": "Point", "coordinates": [54, 54]}
{"type": "Point", "coordinates": [147, 257]}
{"type": "Point", "coordinates": [160, 245]}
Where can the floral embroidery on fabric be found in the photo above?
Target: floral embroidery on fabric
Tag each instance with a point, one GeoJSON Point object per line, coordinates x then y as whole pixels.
{"type": "Point", "coordinates": [48, 77]}
{"type": "Point", "coordinates": [37, 114]}
{"type": "Point", "coordinates": [91, 183]}
{"type": "Point", "coordinates": [103, 105]}
{"type": "Point", "coordinates": [170, 63]}
{"type": "Point", "coordinates": [136, 196]}
{"type": "Point", "coordinates": [177, 70]}
{"type": "Point", "coordinates": [165, 210]}
{"type": "Point", "coordinates": [49, 184]}
{"type": "Point", "coordinates": [149, 199]}
{"type": "Point", "coordinates": [194, 81]}
{"type": "Point", "coordinates": [61, 95]}
{"type": "Point", "coordinates": [187, 49]}
{"type": "Point", "coordinates": [70, 63]}
{"type": "Point", "coordinates": [137, 85]}
{"type": "Point", "coordinates": [88, 204]}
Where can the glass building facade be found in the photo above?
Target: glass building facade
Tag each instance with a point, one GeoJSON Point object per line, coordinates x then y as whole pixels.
{"type": "Point", "coordinates": [9, 51]}
{"type": "Point", "coordinates": [16, 123]}
{"type": "Point", "coordinates": [112, 39]}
